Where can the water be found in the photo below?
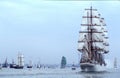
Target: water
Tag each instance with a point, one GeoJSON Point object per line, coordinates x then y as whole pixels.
{"type": "Point", "coordinates": [57, 73]}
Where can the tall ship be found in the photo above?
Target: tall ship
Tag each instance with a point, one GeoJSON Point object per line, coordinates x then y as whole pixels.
{"type": "Point", "coordinates": [93, 41]}
{"type": "Point", "coordinates": [20, 62]}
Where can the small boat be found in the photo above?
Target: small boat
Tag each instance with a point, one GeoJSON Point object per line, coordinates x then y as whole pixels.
{"type": "Point", "coordinates": [39, 65]}
{"type": "Point", "coordinates": [73, 67]}
{"type": "Point", "coordinates": [5, 64]}
{"type": "Point", "coordinates": [30, 64]}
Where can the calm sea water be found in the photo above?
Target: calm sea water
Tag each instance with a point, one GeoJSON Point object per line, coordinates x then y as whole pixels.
{"type": "Point", "coordinates": [56, 73]}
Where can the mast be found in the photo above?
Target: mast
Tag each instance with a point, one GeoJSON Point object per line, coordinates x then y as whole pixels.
{"type": "Point", "coordinates": [89, 46]}
{"type": "Point", "coordinates": [91, 33]}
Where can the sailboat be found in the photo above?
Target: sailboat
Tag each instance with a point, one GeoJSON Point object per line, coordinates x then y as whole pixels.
{"type": "Point", "coordinates": [93, 41]}
{"type": "Point", "coordinates": [115, 63]}
{"type": "Point", "coordinates": [5, 64]}
{"type": "Point", "coordinates": [20, 62]}
{"type": "Point", "coordinates": [30, 64]}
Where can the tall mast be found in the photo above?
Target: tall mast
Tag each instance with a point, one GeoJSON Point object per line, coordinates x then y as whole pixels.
{"type": "Point", "coordinates": [91, 30]}
{"type": "Point", "coordinates": [89, 53]}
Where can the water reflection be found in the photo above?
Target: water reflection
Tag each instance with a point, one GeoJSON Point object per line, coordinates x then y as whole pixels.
{"type": "Point", "coordinates": [93, 74]}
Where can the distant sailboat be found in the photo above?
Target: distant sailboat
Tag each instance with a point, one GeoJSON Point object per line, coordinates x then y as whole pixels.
{"type": "Point", "coordinates": [30, 64]}
{"type": "Point", "coordinates": [115, 63]}
{"type": "Point", "coordinates": [73, 66]}
{"type": "Point", "coordinates": [39, 65]}
{"type": "Point", "coordinates": [5, 64]}
{"type": "Point", "coordinates": [20, 62]}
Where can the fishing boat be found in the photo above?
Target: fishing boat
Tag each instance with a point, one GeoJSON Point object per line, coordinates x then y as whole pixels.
{"type": "Point", "coordinates": [93, 41]}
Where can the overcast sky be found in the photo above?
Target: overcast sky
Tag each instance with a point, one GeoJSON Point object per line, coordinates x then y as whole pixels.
{"type": "Point", "coordinates": [47, 30]}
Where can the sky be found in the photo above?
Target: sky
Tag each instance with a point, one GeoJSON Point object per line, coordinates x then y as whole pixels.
{"type": "Point", "coordinates": [44, 31]}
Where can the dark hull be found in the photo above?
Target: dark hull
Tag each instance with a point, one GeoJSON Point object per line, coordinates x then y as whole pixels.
{"type": "Point", "coordinates": [12, 65]}
{"type": "Point", "coordinates": [29, 66]}
{"type": "Point", "coordinates": [5, 65]}
{"type": "Point", "coordinates": [19, 67]}
{"type": "Point", "coordinates": [88, 67]}
{"type": "Point", "coordinates": [73, 68]}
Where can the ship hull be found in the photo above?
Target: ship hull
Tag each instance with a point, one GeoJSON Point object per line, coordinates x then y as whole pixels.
{"type": "Point", "coordinates": [29, 66]}
{"type": "Point", "coordinates": [18, 67]}
{"type": "Point", "coordinates": [89, 67]}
